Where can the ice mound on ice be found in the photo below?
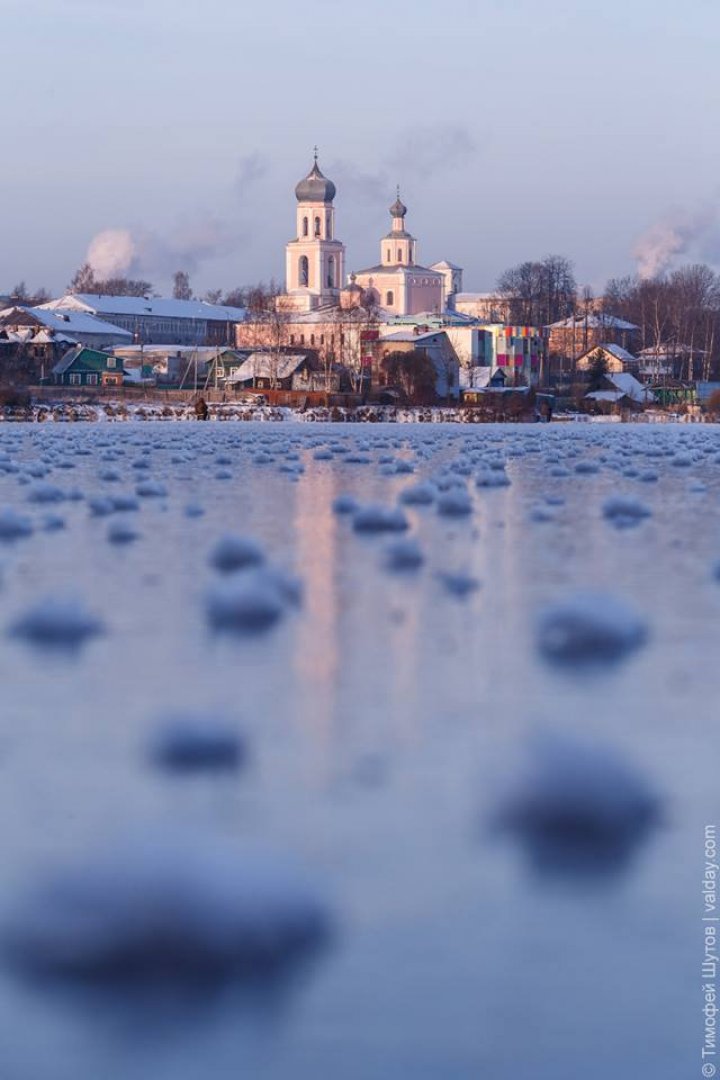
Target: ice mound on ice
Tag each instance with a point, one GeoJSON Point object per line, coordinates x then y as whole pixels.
{"type": "Point", "coordinates": [151, 489]}
{"type": "Point", "coordinates": [45, 493]}
{"type": "Point", "coordinates": [376, 518]}
{"type": "Point", "coordinates": [14, 526]}
{"type": "Point", "coordinates": [57, 622]}
{"type": "Point", "coordinates": [454, 503]}
{"type": "Point", "coordinates": [345, 504]}
{"type": "Point", "coordinates": [421, 494]}
{"type": "Point", "coordinates": [154, 911]}
{"type": "Point", "coordinates": [403, 554]}
{"type": "Point", "coordinates": [490, 478]}
{"type": "Point", "coordinates": [588, 629]}
{"type": "Point", "coordinates": [624, 512]}
{"type": "Point", "coordinates": [122, 532]}
{"type": "Point", "coordinates": [234, 552]}
{"type": "Point", "coordinates": [458, 583]}
{"type": "Point", "coordinates": [578, 806]}
{"type": "Point", "coordinates": [197, 742]}
{"type": "Point", "coordinates": [251, 601]}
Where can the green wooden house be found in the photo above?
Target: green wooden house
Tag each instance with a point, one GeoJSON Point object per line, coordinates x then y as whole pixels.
{"type": "Point", "coordinates": [82, 366]}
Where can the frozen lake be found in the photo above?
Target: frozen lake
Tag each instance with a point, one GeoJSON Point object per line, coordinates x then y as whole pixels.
{"type": "Point", "coordinates": [388, 688]}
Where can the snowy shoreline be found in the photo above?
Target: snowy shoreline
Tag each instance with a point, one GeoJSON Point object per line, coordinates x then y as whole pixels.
{"type": "Point", "coordinates": [120, 412]}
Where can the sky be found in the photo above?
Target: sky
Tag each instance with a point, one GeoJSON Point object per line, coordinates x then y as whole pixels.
{"type": "Point", "coordinates": [163, 135]}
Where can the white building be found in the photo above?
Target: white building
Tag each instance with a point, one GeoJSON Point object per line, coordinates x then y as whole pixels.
{"type": "Point", "coordinates": [153, 320]}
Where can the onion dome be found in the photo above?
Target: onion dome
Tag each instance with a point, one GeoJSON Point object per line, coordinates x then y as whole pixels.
{"type": "Point", "coordinates": [315, 187]}
{"type": "Point", "coordinates": [398, 208]}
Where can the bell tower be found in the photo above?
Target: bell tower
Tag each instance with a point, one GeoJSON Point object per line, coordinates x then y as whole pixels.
{"type": "Point", "coordinates": [314, 260]}
{"type": "Point", "coordinates": [398, 247]}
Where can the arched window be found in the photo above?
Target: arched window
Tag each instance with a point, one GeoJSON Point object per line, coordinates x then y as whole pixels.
{"type": "Point", "coordinates": [399, 254]}
{"type": "Point", "coordinates": [306, 226]}
{"type": "Point", "coordinates": [331, 272]}
{"type": "Point", "coordinates": [389, 299]}
{"type": "Point", "coordinates": [317, 226]}
{"type": "Point", "coordinates": [389, 256]}
{"type": "Point", "coordinates": [312, 339]}
{"type": "Point", "coordinates": [328, 227]}
{"type": "Point", "coordinates": [304, 271]}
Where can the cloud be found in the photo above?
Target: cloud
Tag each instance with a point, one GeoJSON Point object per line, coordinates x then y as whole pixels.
{"type": "Point", "coordinates": [678, 235]}
{"type": "Point", "coordinates": [145, 253]}
{"type": "Point", "coordinates": [428, 150]}
{"type": "Point", "coordinates": [150, 253]}
{"type": "Point", "coordinates": [421, 152]}
{"type": "Point", "coordinates": [251, 168]}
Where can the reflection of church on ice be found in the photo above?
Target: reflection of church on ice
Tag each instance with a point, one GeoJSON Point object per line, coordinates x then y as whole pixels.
{"type": "Point", "coordinates": [315, 262]}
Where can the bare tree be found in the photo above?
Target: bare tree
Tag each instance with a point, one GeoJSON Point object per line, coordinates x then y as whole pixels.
{"type": "Point", "coordinates": [181, 286]}
{"type": "Point", "coordinates": [539, 293]}
{"type": "Point", "coordinates": [85, 281]}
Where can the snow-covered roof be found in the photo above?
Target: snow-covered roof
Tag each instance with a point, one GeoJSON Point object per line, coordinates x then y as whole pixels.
{"type": "Point", "coordinates": [669, 351]}
{"type": "Point", "coordinates": [600, 321]}
{"type": "Point", "coordinates": [445, 265]}
{"type": "Point", "coordinates": [143, 306]}
{"type": "Point", "coordinates": [631, 386]}
{"type": "Point", "coordinates": [70, 322]}
{"type": "Point", "coordinates": [409, 336]}
{"type": "Point", "coordinates": [606, 395]}
{"type": "Point", "coordinates": [620, 354]}
{"type": "Point", "coordinates": [265, 366]}
{"type": "Point", "coordinates": [469, 297]}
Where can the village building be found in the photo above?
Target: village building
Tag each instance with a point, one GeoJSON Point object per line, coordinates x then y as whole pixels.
{"type": "Point", "coordinates": [156, 320]}
{"type": "Point", "coordinates": [398, 284]}
{"type": "Point", "coordinates": [41, 326]}
{"type": "Point", "coordinates": [623, 390]}
{"type": "Point", "coordinates": [83, 366]}
{"type": "Point", "coordinates": [572, 337]}
{"type": "Point", "coordinates": [485, 307]}
{"type": "Point", "coordinates": [436, 346]}
{"type": "Point", "coordinates": [615, 358]}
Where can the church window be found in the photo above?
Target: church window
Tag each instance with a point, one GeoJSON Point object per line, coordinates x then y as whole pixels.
{"type": "Point", "coordinates": [331, 272]}
{"type": "Point", "coordinates": [389, 256]}
{"type": "Point", "coordinates": [399, 255]}
{"type": "Point", "coordinates": [390, 299]}
{"type": "Point", "coordinates": [322, 339]}
{"type": "Point", "coordinates": [312, 339]}
{"type": "Point", "coordinates": [317, 226]}
{"type": "Point", "coordinates": [292, 339]}
{"type": "Point", "coordinates": [304, 271]}
{"type": "Point", "coordinates": [306, 226]}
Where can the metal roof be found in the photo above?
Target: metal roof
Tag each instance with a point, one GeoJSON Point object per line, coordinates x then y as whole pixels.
{"type": "Point", "coordinates": [140, 306]}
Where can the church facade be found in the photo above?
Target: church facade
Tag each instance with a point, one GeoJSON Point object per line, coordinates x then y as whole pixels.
{"type": "Point", "coordinates": [315, 262]}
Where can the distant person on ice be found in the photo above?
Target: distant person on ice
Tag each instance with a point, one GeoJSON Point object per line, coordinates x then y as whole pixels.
{"type": "Point", "coordinates": [201, 409]}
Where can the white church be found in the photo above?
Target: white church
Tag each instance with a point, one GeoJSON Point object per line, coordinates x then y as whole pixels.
{"type": "Point", "coordinates": [315, 262]}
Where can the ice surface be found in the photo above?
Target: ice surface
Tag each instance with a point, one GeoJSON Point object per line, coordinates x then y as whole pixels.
{"type": "Point", "coordinates": [381, 714]}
